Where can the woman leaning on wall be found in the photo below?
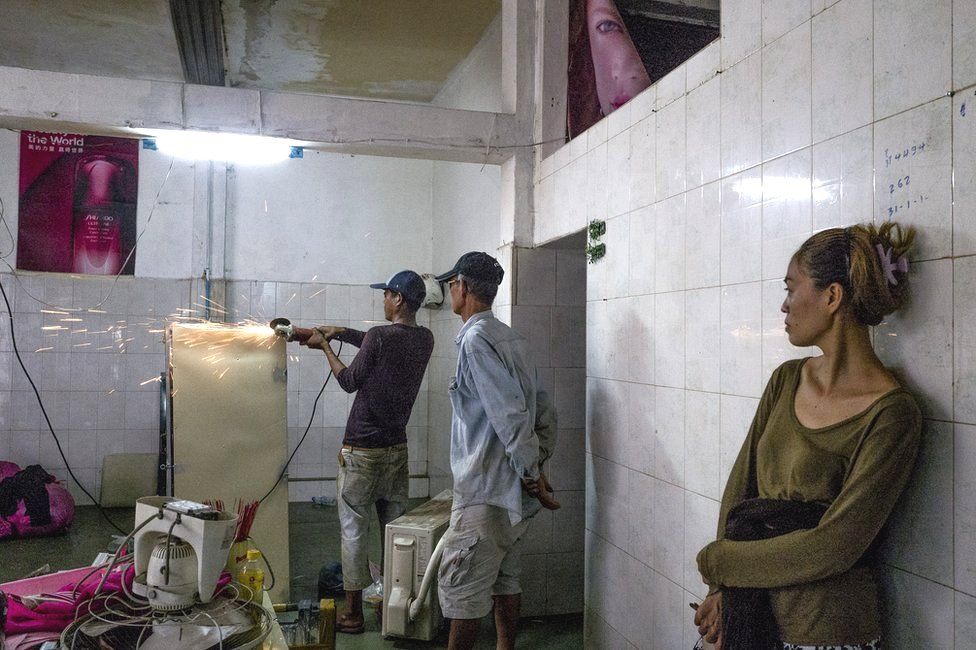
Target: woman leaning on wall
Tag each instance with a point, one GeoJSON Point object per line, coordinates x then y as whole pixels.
{"type": "Point", "coordinates": [830, 450]}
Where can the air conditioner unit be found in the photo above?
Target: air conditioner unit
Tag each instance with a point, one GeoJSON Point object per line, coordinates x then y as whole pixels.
{"type": "Point", "coordinates": [409, 543]}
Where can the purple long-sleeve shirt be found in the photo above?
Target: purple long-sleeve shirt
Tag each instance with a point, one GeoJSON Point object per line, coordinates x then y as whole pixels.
{"type": "Point", "coordinates": [386, 376]}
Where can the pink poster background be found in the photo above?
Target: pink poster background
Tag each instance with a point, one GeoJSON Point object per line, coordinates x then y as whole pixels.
{"type": "Point", "coordinates": [55, 181]}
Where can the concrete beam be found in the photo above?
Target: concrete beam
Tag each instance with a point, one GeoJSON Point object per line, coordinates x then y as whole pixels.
{"type": "Point", "coordinates": [31, 99]}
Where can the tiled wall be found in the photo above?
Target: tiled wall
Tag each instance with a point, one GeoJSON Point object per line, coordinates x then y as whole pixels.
{"type": "Point", "coordinates": [550, 311]}
{"type": "Point", "coordinates": [97, 370]}
{"type": "Point", "coordinates": [708, 182]}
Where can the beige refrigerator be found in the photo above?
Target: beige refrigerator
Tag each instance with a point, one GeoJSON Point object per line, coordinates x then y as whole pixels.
{"type": "Point", "coordinates": [226, 388]}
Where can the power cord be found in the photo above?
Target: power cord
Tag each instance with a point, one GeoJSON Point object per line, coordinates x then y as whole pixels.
{"type": "Point", "coordinates": [13, 340]}
{"type": "Point", "coordinates": [310, 420]}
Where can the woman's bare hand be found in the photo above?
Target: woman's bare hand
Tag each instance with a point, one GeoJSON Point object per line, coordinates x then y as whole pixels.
{"type": "Point", "coordinates": [708, 618]}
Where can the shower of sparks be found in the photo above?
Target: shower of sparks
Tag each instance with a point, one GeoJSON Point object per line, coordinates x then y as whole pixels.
{"type": "Point", "coordinates": [55, 312]}
{"type": "Point", "coordinates": [43, 349]}
{"type": "Point", "coordinates": [149, 381]}
{"type": "Point", "coordinates": [317, 292]}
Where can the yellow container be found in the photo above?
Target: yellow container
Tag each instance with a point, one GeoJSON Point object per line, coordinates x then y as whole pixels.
{"type": "Point", "coordinates": [237, 557]}
{"type": "Point", "coordinates": [252, 575]}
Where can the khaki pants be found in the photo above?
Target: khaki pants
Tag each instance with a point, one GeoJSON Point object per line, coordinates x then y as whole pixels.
{"type": "Point", "coordinates": [368, 478]}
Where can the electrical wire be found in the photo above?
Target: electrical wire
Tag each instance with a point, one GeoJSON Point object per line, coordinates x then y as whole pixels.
{"type": "Point", "coordinates": [310, 420]}
{"type": "Point", "coordinates": [37, 394]}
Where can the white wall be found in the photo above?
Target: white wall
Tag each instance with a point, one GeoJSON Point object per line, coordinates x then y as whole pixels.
{"type": "Point", "coordinates": [708, 182]}
{"type": "Point", "coordinates": [340, 218]}
{"type": "Point", "coordinates": [475, 84]}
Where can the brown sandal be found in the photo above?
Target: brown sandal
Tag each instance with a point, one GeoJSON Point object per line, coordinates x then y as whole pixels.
{"type": "Point", "coordinates": [348, 625]}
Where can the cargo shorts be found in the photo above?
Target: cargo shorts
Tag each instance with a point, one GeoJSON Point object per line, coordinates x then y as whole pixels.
{"type": "Point", "coordinates": [481, 558]}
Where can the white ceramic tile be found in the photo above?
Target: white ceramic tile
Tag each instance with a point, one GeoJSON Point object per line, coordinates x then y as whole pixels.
{"type": "Point", "coordinates": [596, 183]}
{"type": "Point", "coordinates": [912, 54]}
{"type": "Point", "coordinates": [643, 149]}
{"type": "Point", "coordinates": [741, 366]}
{"type": "Point", "coordinates": [913, 169]}
{"type": "Point", "coordinates": [816, 6]}
{"type": "Point", "coordinates": [920, 611]}
{"type": "Point", "coordinates": [786, 98]}
{"type": "Point", "coordinates": [574, 217]}
{"type": "Point", "coordinates": [741, 28]}
{"type": "Point", "coordinates": [608, 501]}
{"type": "Point", "coordinates": [916, 342]}
{"type": "Point", "coordinates": [564, 583]}
{"type": "Point", "coordinates": [669, 512]}
{"type": "Point", "coordinates": [83, 410]}
{"type": "Point", "coordinates": [702, 452]}
{"type": "Point", "coordinates": [577, 148]}
{"type": "Point", "coordinates": [595, 135]}
{"type": "Point", "coordinates": [641, 336]}
{"type": "Point", "coordinates": [642, 242]}
{"type": "Point", "coordinates": [618, 174]}
{"type": "Point", "coordinates": [702, 339]}
{"type": "Point", "coordinates": [567, 347]}
{"type": "Point", "coordinates": [618, 121]}
{"type": "Point", "coordinates": [964, 171]}
{"type": "Point", "coordinates": [670, 142]}
{"type": "Point", "coordinates": [313, 302]}
{"type": "Point", "coordinates": [963, 43]}
{"type": "Point", "coordinates": [842, 68]}
{"type": "Point", "coordinates": [670, 87]}
{"type": "Point", "coordinates": [570, 278]}
{"type": "Point", "coordinates": [704, 65]}
{"type": "Point", "coordinates": [701, 519]}
{"type": "Point", "coordinates": [780, 16]}
{"type": "Point", "coordinates": [534, 323]}
{"type": "Point", "coordinates": [547, 164]}
{"type": "Point", "coordinates": [671, 613]}
{"type": "Point", "coordinates": [642, 106]}
{"type": "Point", "coordinates": [843, 180]}
{"type": "Point", "coordinates": [965, 619]}
{"type": "Point", "coordinates": [669, 446]}
{"type": "Point", "coordinates": [561, 156]}
{"type": "Point", "coordinates": [786, 216]}
{"type": "Point", "coordinates": [703, 108]}
{"type": "Point", "coordinates": [669, 248]}
{"type": "Point", "coordinates": [645, 520]}
{"type": "Point", "coordinates": [964, 514]}
{"type": "Point", "coordinates": [703, 218]}
{"type": "Point", "coordinates": [741, 232]}
{"type": "Point", "coordinates": [569, 397]}
{"type": "Point", "coordinates": [641, 409]}
{"type": "Point", "coordinates": [964, 306]}
{"type": "Point", "coordinates": [597, 633]}
{"type": "Point", "coordinates": [617, 260]}
{"type": "Point", "coordinates": [608, 426]}
{"type": "Point", "coordinates": [669, 339]}
{"type": "Point", "coordinates": [598, 344]}
{"type": "Point", "coordinates": [569, 522]}
{"type": "Point", "coordinates": [638, 622]}
{"type": "Point", "coordinates": [536, 281]}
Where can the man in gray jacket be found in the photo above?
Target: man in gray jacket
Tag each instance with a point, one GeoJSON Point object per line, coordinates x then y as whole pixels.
{"type": "Point", "coordinates": [502, 432]}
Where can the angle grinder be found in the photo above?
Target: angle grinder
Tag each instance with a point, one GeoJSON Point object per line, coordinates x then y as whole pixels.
{"type": "Point", "coordinates": [283, 327]}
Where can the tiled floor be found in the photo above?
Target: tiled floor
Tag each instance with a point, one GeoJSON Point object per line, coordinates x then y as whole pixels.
{"type": "Point", "coordinates": [314, 536]}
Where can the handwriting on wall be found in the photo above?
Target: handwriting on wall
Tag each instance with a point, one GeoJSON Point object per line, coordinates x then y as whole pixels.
{"type": "Point", "coordinates": [898, 182]}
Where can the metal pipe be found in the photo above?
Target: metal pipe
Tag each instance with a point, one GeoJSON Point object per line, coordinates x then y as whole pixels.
{"type": "Point", "coordinates": [305, 479]}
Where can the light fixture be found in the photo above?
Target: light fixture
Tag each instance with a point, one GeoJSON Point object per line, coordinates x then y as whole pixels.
{"type": "Point", "coordinates": [226, 147]}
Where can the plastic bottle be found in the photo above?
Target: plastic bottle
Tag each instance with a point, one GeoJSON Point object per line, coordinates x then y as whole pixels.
{"type": "Point", "coordinates": [252, 575]}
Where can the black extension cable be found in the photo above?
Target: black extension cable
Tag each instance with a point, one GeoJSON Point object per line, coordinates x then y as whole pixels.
{"type": "Point", "coordinates": [13, 340]}
{"type": "Point", "coordinates": [310, 420]}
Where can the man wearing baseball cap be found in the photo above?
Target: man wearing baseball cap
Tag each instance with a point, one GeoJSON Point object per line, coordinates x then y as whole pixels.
{"type": "Point", "coordinates": [385, 375]}
{"type": "Point", "coordinates": [502, 431]}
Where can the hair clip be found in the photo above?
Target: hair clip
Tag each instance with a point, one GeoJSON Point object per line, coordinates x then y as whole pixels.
{"type": "Point", "coordinates": [889, 267]}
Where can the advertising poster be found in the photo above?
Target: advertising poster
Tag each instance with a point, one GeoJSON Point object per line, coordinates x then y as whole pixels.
{"type": "Point", "coordinates": [77, 203]}
{"type": "Point", "coordinates": [605, 68]}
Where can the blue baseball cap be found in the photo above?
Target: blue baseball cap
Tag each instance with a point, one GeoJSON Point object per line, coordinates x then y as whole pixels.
{"type": "Point", "coordinates": [408, 284]}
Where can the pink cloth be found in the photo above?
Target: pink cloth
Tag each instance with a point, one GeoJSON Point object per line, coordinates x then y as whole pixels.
{"type": "Point", "coordinates": [19, 523]}
{"type": "Point", "coordinates": [56, 611]}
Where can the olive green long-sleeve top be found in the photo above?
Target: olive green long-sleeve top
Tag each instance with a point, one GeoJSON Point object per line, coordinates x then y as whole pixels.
{"type": "Point", "coordinates": [858, 467]}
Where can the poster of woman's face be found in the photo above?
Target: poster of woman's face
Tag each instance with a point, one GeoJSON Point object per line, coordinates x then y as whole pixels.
{"type": "Point", "coordinates": [605, 69]}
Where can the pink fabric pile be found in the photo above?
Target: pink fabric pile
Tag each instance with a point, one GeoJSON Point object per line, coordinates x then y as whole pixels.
{"type": "Point", "coordinates": [19, 524]}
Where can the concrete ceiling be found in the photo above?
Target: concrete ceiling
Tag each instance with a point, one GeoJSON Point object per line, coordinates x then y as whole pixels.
{"type": "Point", "coordinates": [386, 49]}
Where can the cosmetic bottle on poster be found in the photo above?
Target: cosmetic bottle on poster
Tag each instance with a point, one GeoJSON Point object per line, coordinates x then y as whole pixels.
{"type": "Point", "coordinates": [96, 228]}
